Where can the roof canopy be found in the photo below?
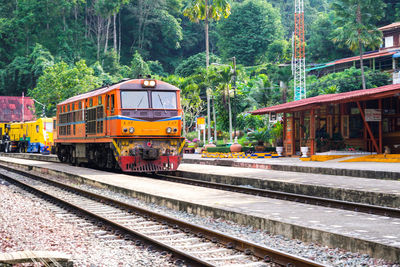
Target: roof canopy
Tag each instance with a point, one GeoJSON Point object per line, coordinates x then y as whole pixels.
{"type": "Point", "coordinates": [317, 101]}
{"type": "Point", "coordinates": [390, 26]}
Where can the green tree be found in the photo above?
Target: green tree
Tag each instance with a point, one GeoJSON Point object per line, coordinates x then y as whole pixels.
{"type": "Point", "coordinates": [320, 46]}
{"type": "Point", "coordinates": [356, 29]}
{"type": "Point", "coordinates": [279, 51]}
{"type": "Point", "coordinates": [60, 82]}
{"type": "Point", "coordinates": [247, 33]}
{"type": "Point", "coordinates": [22, 72]}
{"type": "Point", "coordinates": [207, 10]}
{"type": "Point", "coordinates": [345, 81]}
{"type": "Point", "coordinates": [139, 66]}
{"type": "Point", "coordinates": [189, 66]}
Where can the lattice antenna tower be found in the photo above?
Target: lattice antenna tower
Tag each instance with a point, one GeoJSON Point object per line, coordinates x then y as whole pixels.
{"type": "Point", "coordinates": [298, 53]}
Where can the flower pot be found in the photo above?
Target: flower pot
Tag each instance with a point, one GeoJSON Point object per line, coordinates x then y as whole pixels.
{"type": "Point", "coordinates": [304, 151]}
{"type": "Point", "coordinates": [259, 148]}
{"type": "Point", "coordinates": [236, 147]}
{"type": "Point", "coordinates": [279, 150]}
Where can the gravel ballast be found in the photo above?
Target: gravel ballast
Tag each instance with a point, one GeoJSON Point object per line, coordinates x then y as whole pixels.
{"type": "Point", "coordinates": [30, 223]}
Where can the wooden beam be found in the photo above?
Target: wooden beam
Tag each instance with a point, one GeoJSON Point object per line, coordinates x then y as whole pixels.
{"type": "Point", "coordinates": [312, 131]}
{"type": "Point", "coordinates": [293, 135]}
{"type": "Point", "coordinates": [380, 126]}
{"type": "Point", "coordinates": [284, 133]}
{"type": "Point", "coordinates": [368, 128]}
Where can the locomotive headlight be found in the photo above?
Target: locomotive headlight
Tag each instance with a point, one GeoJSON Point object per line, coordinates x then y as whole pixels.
{"type": "Point", "coordinates": [148, 83]}
{"type": "Point", "coordinates": [125, 130]}
{"type": "Point", "coordinates": [169, 130]}
{"type": "Point", "coordinates": [131, 130]}
{"type": "Point", "coordinates": [175, 130]}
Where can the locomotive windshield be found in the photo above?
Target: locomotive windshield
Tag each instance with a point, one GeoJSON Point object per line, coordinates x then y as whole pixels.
{"type": "Point", "coordinates": [134, 99]}
{"type": "Point", "coordinates": [163, 100]}
{"type": "Point", "coordinates": [48, 126]}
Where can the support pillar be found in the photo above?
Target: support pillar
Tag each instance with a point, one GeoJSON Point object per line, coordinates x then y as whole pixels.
{"type": "Point", "coordinates": [312, 131]}
{"type": "Point", "coordinates": [380, 126]}
{"type": "Point", "coordinates": [371, 135]}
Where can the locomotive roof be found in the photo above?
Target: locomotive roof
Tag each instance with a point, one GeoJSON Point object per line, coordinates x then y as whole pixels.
{"type": "Point", "coordinates": [134, 84]}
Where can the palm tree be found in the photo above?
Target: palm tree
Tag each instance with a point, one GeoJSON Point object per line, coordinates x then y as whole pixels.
{"type": "Point", "coordinates": [355, 19]}
{"type": "Point", "coordinates": [205, 10]}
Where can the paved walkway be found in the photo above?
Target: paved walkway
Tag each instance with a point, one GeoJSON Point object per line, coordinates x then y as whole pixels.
{"type": "Point", "coordinates": [374, 166]}
{"type": "Point", "coordinates": [376, 170]}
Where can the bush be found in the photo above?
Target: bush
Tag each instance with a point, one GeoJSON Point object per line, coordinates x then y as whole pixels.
{"type": "Point", "coordinates": [192, 135]}
{"type": "Point", "coordinates": [245, 149]}
{"type": "Point", "coordinates": [189, 66]}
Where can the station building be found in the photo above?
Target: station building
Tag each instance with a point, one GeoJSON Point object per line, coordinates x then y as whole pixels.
{"type": "Point", "coordinates": [363, 120]}
{"type": "Point", "coordinates": [385, 59]}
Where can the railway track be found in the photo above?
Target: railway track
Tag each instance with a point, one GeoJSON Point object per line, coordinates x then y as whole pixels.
{"type": "Point", "coordinates": [332, 203]}
{"type": "Point", "coordinates": [190, 244]}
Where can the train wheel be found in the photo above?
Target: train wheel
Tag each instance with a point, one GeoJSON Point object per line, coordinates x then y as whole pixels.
{"type": "Point", "coordinates": [72, 157]}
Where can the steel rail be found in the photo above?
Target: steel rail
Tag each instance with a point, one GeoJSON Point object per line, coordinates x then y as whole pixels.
{"type": "Point", "coordinates": [267, 254]}
{"type": "Point", "coordinates": [319, 201]}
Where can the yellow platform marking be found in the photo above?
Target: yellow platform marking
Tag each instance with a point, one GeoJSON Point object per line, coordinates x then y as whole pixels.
{"type": "Point", "coordinates": [390, 158]}
{"type": "Point", "coordinates": [323, 157]}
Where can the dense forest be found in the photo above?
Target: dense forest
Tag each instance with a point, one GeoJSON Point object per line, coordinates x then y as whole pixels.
{"type": "Point", "coordinates": [52, 49]}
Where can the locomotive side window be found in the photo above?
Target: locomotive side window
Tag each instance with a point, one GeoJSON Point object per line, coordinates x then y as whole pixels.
{"type": "Point", "coordinates": [112, 102]}
{"type": "Point", "coordinates": [134, 99]}
{"type": "Point", "coordinates": [108, 102]}
{"type": "Point", "coordinates": [99, 100]}
{"type": "Point", "coordinates": [163, 100]}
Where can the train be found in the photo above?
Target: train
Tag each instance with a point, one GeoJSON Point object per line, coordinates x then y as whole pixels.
{"type": "Point", "coordinates": [134, 125]}
{"type": "Point", "coordinates": [29, 136]}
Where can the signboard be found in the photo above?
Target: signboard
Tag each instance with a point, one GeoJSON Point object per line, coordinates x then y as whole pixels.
{"type": "Point", "coordinates": [272, 117]}
{"type": "Point", "coordinates": [373, 115]}
{"type": "Point", "coordinates": [201, 123]}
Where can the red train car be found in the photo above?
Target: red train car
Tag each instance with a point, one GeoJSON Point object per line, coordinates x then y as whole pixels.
{"type": "Point", "coordinates": [134, 125]}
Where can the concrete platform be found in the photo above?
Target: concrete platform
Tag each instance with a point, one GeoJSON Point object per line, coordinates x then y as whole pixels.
{"type": "Point", "coordinates": [374, 170]}
{"type": "Point", "coordinates": [378, 236]}
{"type": "Point", "coordinates": [353, 189]}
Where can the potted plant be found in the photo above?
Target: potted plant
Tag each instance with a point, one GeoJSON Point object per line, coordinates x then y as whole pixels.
{"type": "Point", "coordinates": [260, 136]}
{"type": "Point", "coordinates": [304, 141]}
{"type": "Point", "coordinates": [277, 134]}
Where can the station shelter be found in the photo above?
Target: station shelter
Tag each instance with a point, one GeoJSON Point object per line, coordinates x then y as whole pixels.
{"type": "Point", "coordinates": [363, 120]}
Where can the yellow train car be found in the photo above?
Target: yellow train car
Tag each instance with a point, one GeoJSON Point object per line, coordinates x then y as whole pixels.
{"type": "Point", "coordinates": [32, 136]}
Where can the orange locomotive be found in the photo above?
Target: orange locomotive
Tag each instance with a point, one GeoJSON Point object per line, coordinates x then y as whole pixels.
{"type": "Point", "coordinates": [134, 125]}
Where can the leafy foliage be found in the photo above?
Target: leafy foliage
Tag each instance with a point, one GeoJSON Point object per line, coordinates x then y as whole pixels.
{"type": "Point", "coordinates": [139, 66]}
{"type": "Point", "coordinates": [346, 81]}
{"type": "Point", "coordinates": [247, 33]}
{"type": "Point", "coordinates": [192, 64]}
{"type": "Point", "coordinates": [60, 82]}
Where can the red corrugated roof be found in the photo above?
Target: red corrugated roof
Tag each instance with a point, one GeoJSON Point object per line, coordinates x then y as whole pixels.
{"type": "Point", "coordinates": [11, 109]}
{"type": "Point", "coordinates": [308, 103]}
{"type": "Point", "coordinates": [366, 56]}
{"type": "Point", "coordinates": [390, 26]}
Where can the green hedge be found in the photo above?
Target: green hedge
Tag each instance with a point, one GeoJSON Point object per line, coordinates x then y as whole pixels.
{"type": "Point", "coordinates": [224, 149]}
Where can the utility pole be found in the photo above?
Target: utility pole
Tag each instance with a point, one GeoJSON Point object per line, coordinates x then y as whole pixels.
{"type": "Point", "coordinates": [298, 53]}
